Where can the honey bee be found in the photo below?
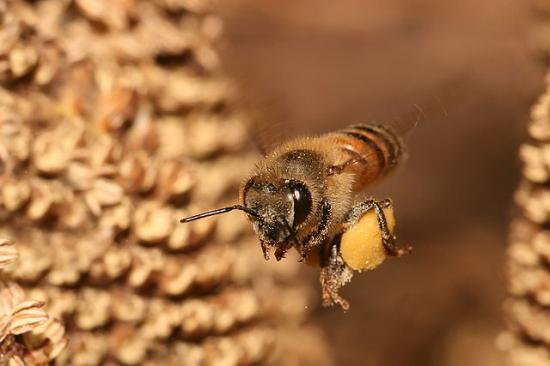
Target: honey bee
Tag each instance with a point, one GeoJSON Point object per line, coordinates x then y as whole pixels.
{"type": "Point", "coordinates": [306, 193]}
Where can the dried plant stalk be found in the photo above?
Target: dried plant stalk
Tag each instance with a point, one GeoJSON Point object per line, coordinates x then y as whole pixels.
{"type": "Point", "coordinates": [110, 113]}
{"type": "Point", "coordinates": [527, 308]}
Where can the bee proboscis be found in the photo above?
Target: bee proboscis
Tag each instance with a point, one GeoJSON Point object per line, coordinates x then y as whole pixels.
{"type": "Point", "coordinates": [306, 194]}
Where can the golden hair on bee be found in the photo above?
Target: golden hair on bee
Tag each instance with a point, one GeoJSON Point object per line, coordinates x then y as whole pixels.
{"type": "Point", "coordinates": [305, 195]}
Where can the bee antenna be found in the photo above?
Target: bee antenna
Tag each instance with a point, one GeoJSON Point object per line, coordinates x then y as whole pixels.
{"type": "Point", "coordinates": [221, 211]}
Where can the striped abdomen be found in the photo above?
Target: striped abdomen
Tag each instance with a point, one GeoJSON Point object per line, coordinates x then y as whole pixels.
{"type": "Point", "coordinates": [374, 150]}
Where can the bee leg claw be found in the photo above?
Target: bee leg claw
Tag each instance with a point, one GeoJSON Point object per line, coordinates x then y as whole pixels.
{"type": "Point", "coordinates": [393, 250]}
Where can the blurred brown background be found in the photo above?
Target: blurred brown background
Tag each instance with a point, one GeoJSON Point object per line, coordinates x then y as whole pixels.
{"type": "Point", "coordinates": [467, 65]}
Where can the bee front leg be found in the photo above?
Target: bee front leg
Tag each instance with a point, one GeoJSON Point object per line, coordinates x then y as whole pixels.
{"type": "Point", "coordinates": [316, 238]}
{"type": "Point", "coordinates": [334, 275]}
{"type": "Point", "coordinates": [388, 239]}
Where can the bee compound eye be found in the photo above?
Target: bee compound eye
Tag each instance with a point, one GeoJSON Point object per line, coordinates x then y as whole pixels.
{"type": "Point", "coordinates": [302, 201]}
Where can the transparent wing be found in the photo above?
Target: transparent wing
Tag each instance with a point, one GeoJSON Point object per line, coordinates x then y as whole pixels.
{"type": "Point", "coordinates": [266, 115]}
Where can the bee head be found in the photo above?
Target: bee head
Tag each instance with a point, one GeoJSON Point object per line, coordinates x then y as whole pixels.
{"type": "Point", "coordinates": [282, 206]}
{"type": "Point", "coordinates": [276, 210]}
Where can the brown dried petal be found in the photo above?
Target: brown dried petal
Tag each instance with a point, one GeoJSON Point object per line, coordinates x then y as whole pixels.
{"type": "Point", "coordinates": [145, 263]}
{"type": "Point", "coordinates": [22, 59]}
{"type": "Point", "coordinates": [197, 318]}
{"type": "Point", "coordinates": [49, 156]}
{"type": "Point", "coordinates": [205, 137]}
{"type": "Point", "coordinates": [163, 317]}
{"type": "Point", "coordinates": [177, 277]}
{"type": "Point", "coordinates": [174, 180]}
{"type": "Point", "coordinates": [539, 127]}
{"type": "Point", "coordinates": [87, 348]}
{"type": "Point", "coordinates": [128, 348]}
{"type": "Point", "coordinates": [8, 252]}
{"type": "Point", "coordinates": [107, 192]}
{"type": "Point", "coordinates": [45, 196]}
{"type": "Point", "coordinates": [15, 194]}
{"type": "Point", "coordinates": [50, 63]}
{"type": "Point", "coordinates": [21, 315]}
{"type": "Point", "coordinates": [93, 309]}
{"type": "Point", "coordinates": [113, 13]}
{"type": "Point", "coordinates": [16, 361]}
{"type": "Point", "coordinates": [179, 238]}
{"type": "Point", "coordinates": [152, 222]}
{"type": "Point", "coordinates": [75, 215]}
{"type": "Point", "coordinates": [26, 316]}
{"type": "Point", "coordinates": [61, 302]}
{"type": "Point", "coordinates": [128, 307]}
{"type": "Point", "coordinates": [15, 140]}
{"type": "Point", "coordinates": [35, 260]}
{"type": "Point", "coordinates": [137, 173]}
{"type": "Point", "coordinates": [9, 34]}
{"type": "Point", "coordinates": [533, 320]}
{"type": "Point", "coordinates": [103, 151]}
{"type": "Point", "coordinates": [171, 133]}
{"type": "Point", "coordinates": [184, 91]}
{"type": "Point", "coordinates": [80, 176]}
{"type": "Point", "coordinates": [143, 133]}
{"type": "Point", "coordinates": [119, 108]}
{"type": "Point", "coordinates": [11, 296]}
{"type": "Point", "coordinates": [69, 262]}
{"type": "Point", "coordinates": [46, 341]}
{"type": "Point", "coordinates": [536, 162]}
{"type": "Point", "coordinates": [117, 262]}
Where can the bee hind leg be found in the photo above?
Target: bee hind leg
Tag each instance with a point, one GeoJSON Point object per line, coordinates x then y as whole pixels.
{"type": "Point", "coordinates": [334, 275]}
{"type": "Point", "coordinates": [388, 239]}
